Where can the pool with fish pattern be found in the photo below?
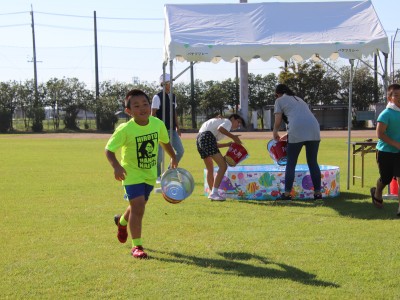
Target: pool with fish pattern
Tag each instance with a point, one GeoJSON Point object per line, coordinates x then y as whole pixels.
{"type": "Point", "coordinates": [266, 182]}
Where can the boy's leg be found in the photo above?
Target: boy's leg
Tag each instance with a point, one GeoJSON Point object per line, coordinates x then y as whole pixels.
{"type": "Point", "coordinates": [396, 173]}
{"type": "Point", "coordinates": [386, 165]}
{"type": "Point", "coordinates": [138, 194]}
{"type": "Point", "coordinates": [379, 189]}
{"type": "Point", "coordinates": [127, 213]}
{"type": "Point", "coordinates": [122, 219]}
{"type": "Point", "coordinates": [398, 195]}
{"type": "Point", "coordinates": [386, 168]}
{"type": "Point", "coordinates": [137, 206]}
{"type": "Point", "coordinates": [122, 222]}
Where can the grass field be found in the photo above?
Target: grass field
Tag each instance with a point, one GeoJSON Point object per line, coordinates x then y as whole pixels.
{"type": "Point", "coordinates": [58, 239]}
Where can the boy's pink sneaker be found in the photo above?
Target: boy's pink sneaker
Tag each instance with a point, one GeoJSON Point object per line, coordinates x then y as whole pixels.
{"type": "Point", "coordinates": [116, 219]}
{"type": "Point", "coordinates": [122, 234]}
{"type": "Point", "coordinates": [138, 252]}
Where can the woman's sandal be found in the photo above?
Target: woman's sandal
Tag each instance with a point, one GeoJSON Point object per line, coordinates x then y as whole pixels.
{"type": "Point", "coordinates": [317, 196]}
{"type": "Point", "coordinates": [284, 197]}
{"type": "Point", "coordinates": [377, 202]}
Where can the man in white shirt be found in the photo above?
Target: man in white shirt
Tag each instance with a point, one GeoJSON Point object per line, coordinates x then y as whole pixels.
{"type": "Point", "coordinates": [157, 111]}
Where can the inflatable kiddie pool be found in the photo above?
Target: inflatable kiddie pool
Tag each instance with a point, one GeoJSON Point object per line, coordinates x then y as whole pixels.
{"type": "Point", "coordinates": [266, 182]}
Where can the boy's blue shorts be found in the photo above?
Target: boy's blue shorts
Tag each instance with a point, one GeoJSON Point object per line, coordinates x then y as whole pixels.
{"type": "Point", "coordinates": [136, 190]}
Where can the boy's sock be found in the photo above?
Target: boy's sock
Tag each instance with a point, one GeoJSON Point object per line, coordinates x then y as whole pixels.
{"type": "Point", "coordinates": [214, 191]}
{"type": "Point", "coordinates": [137, 242]}
{"type": "Point", "coordinates": [122, 221]}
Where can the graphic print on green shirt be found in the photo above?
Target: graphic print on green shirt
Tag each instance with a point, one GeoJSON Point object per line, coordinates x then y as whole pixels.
{"type": "Point", "coordinates": [146, 154]}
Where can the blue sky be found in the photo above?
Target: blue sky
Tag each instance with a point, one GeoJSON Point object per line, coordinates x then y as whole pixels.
{"type": "Point", "coordinates": [130, 40]}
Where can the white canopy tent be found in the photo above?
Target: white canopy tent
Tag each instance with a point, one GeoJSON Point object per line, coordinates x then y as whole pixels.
{"type": "Point", "coordinates": [303, 30]}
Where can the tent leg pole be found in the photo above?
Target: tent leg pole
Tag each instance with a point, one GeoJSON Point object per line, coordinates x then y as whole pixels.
{"type": "Point", "coordinates": [349, 120]}
{"type": "Point", "coordinates": [171, 93]}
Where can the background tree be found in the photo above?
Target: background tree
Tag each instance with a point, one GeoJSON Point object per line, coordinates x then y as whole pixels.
{"type": "Point", "coordinates": [330, 89]}
{"type": "Point", "coordinates": [114, 92]}
{"type": "Point", "coordinates": [150, 89]}
{"type": "Point", "coordinates": [73, 100]}
{"type": "Point", "coordinates": [7, 105]}
{"type": "Point", "coordinates": [108, 106]}
{"type": "Point", "coordinates": [363, 87]}
{"type": "Point", "coordinates": [229, 86]}
{"type": "Point", "coordinates": [66, 97]}
{"type": "Point", "coordinates": [261, 93]}
{"type": "Point", "coordinates": [24, 98]}
{"type": "Point", "coordinates": [194, 102]}
{"type": "Point", "coordinates": [311, 81]}
{"type": "Point", "coordinates": [396, 77]}
{"type": "Point", "coordinates": [182, 94]}
{"type": "Point", "coordinates": [214, 99]}
{"type": "Point", "coordinates": [89, 102]}
{"type": "Point", "coordinates": [55, 92]}
{"type": "Point", "coordinates": [36, 110]}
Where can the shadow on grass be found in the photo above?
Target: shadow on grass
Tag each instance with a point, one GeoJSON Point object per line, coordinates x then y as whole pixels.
{"type": "Point", "coordinates": [360, 206]}
{"type": "Point", "coordinates": [348, 204]}
{"type": "Point", "coordinates": [233, 263]}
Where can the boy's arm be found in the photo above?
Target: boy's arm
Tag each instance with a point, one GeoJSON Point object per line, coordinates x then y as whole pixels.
{"type": "Point", "coordinates": [119, 171]}
{"type": "Point", "coordinates": [380, 132]}
{"type": "Point", "coordinates": [168, 148]}
{"type": "Point", "coordinates": [234, 137]}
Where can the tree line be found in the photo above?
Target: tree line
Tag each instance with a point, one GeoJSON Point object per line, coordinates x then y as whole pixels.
{"type": "Point", "coordinates": [316, 83]}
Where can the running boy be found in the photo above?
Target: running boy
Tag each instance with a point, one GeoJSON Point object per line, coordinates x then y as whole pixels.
{"type": "Point", "coordinates": [388, 146]}
{"type": "Point", "coordinates": [210, 132]}
{"type": "Point", "coordinates": [138, 168]}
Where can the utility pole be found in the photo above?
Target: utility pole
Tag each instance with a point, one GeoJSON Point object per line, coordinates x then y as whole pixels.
{"type": "Point", "coordinates": [96, 63]}
{"type": "Point", "coordinates": [34, 60]}
{"type": "Point", "coordinates": [38, 111]}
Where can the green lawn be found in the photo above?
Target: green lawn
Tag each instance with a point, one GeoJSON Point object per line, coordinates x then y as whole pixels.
{"type": "Point", "coordinates": [58, 239]}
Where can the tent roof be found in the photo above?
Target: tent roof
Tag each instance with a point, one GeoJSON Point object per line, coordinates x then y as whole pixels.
{"type": "Point", "coordinates": [211, 32]}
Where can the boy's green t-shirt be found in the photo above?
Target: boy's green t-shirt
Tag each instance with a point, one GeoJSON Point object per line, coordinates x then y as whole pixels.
{"type": "Point", "coordinates": [139, 149]}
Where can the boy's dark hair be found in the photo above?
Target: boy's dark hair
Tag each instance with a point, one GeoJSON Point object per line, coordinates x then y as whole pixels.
{"type": "Point", "coordinates": [134, 93]}
{"type": "Point", "coordinates": [391, 88]}
{"type": "Point", "coordinates": [237, 117]}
